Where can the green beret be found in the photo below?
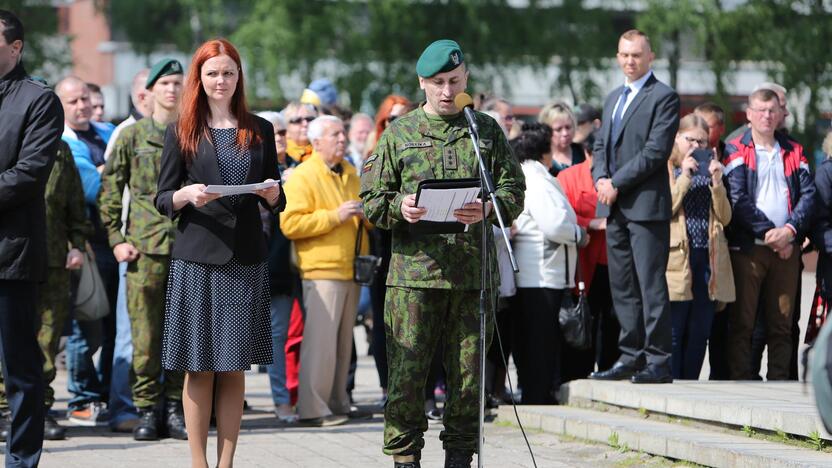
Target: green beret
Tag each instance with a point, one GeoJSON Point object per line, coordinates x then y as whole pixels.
{"type": "Point", "coordinates": [441, 56]}
{"type": "Point", "coordinates": [162, 68]}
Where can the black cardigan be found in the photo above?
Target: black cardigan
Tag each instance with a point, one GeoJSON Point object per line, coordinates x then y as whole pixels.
{"type": "Point", "coordinates": [216, 232]}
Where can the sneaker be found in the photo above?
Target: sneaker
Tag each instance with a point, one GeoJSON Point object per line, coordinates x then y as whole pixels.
{"type": "Point", "coordinates": [285, 415]}
{"type": "Point", "coordinates": [93, 414]}
{"type": "Point", "coordinates": [326, 421]}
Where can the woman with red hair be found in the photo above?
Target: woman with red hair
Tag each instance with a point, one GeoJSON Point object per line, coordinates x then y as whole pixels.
{"type": "Point", "coordinates": [392, 107]}
{"type": "Point", "coordinates": [217, 306]}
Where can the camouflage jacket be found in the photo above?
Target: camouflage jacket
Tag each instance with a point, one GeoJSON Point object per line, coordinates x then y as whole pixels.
{"type": "Point", "coordinates": [66, 216]}
{"type": "Point", "coordinates": [135, 163]}
{"type": "Point", "coordinates": [419, 146]}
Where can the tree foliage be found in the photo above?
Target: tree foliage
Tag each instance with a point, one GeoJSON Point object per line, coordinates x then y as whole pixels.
{"type": "Point", "coordinates": [44, 54]}
{"type": "Point", "coordinates": [790, 38]}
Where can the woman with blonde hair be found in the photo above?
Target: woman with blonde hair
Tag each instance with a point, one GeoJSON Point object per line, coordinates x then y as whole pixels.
{"type": "Point", "coordinates": [559, 117]}
{"type": "Point", "coordinates": [699, 275]}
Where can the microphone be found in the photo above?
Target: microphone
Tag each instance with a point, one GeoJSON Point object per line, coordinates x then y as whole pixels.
{"type": "Point", "coordinates": [465, 103]}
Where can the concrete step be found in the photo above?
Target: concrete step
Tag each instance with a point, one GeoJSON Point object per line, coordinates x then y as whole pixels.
{"type": "Point", "coordinates": [669, 440]}
{"type": "Point", "coordinates": [770, 406]}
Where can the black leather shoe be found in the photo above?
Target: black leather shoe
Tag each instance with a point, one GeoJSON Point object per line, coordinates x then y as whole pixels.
{"type": "Point", "coordinates": [652, 375]}
{"type": "Point", "coordinates": [5, 422]}
{"type": "Point", "coordinates": [618, 371]}
{"type": "Point", "coordinates": [455, 458]}
{"type": "Point", "coordinates": [175, 420]}
{"type": "Point", "coordinates": [146, 429]}
{"type": "Point", "coordinates": [51, 429]}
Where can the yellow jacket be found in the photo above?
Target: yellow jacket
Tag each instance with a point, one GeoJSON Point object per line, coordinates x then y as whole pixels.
{"type": "Point", "coordinates": [679, 278]}
{"type": "Point", "coordinates": [325, 246]}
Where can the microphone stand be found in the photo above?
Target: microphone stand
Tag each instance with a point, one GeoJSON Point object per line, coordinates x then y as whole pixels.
{"type": "Point", "coordinates": [487, 188]}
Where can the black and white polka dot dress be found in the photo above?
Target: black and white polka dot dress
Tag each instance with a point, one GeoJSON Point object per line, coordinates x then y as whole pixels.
{"type": "Point", "coordinates": [217, 316]}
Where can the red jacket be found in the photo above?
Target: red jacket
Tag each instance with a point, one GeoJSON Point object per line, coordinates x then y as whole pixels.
{"type": "Point", "coordinates": [580, 190]}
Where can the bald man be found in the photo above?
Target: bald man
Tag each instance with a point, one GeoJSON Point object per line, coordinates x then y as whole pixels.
{"type": "Point", "coordinates": [87, 140]}
{"type": "Point", "coordinates": [142, 100]}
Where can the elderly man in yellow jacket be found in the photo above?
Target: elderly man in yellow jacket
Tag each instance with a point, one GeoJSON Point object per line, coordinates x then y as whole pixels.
{"type": "Point", "coordinates": [322, 217]}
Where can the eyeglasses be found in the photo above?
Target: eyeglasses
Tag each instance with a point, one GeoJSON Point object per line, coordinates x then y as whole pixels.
{"type": "Point", "coordinates": [280, 132]}
{"type": "Point", "coordinates": [298, 120]}
{"type": "Point", "coordinates": [696, 141]}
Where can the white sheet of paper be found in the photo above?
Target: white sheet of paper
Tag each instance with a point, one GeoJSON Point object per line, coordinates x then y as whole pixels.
{"type": "Point", "coordinates": [226, 190]}
{"type": "Point", "coordinates": [441, 203]}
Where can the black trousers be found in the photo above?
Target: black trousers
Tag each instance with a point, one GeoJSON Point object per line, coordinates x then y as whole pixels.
{"type": "Point", "coordinates": [539, 343]}
{"type": "Point", "coordinates": [637, 257]}
{"type": "Point", "coordinates": [578, 364]}
{"type": "Point", "coordinates": [22, 363]}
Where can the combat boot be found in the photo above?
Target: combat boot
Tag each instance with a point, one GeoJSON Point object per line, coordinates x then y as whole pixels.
{"type": "Point", "coordinates": [175, 420]}
{"type": "Point", "coordinates": [51, 429]}
{"type": "Point", "coordinates": [456, 458]}
{"type": "Point", "coordinates": [407, 461]}
{"type": "Point", "coordinates": [146, 429]}
{"type": "Point", "coordinates": [5, 422]}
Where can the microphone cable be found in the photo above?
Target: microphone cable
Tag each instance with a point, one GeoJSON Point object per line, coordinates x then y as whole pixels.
{"type": "Point", "coordinates": [503, 358]}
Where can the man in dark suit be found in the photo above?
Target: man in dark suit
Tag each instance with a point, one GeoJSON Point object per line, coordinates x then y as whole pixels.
{"type": "Point", "coordinates": [640, 121]}
{"type": "Point", "coordinates": [30, 129]}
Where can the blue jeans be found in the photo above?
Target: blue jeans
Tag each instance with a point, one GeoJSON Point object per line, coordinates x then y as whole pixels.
{"type": "Point", "coordinates": [121, 396]}
{"type": "Point", "coordinates": [281, 310]}
{"type": "Point", "coordinates": [86, 381]}
{"type": "Point", "coordinates": [692, 320]}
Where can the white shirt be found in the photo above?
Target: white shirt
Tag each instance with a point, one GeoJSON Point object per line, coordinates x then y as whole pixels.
{"type": "Point", "coordinates": [635, 87]}
{"type": "Point", "coordinates": [772, 191]}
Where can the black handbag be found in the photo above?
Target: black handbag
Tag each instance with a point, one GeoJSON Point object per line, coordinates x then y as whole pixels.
{"type": "Point", "coordinates": [574, 316]}
{"type": "Point", "coordinates": [364, 267]}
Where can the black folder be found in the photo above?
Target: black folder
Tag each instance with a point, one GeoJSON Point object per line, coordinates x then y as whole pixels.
{"type": "Point", "coordinates": [437, 227]}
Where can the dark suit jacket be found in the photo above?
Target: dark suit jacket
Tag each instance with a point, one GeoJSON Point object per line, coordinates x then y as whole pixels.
{"type": "Point", "coordinates": [31, 122]}
{"type": "Point", "coordinates": [216, 232]}
{"type": "Point", "coordinates": [641, 150]}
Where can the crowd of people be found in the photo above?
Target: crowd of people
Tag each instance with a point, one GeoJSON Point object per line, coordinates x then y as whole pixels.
{"type": "Point", "coordinates": [683, 242]}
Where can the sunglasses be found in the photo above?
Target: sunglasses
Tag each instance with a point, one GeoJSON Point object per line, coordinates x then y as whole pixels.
{"type": "Point", "coordinates": [298, 120]}
{"type": "Point", "coordinates": [280, 132]}
{"type": "Point", "coordinates": [391, 118]}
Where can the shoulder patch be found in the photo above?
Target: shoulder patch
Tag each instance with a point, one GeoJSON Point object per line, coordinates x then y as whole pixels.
{"type": "Point", "coordinates": [415, 144]}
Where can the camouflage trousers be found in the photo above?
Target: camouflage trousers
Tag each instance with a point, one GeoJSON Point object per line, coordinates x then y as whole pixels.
{"type": "Point", "coordinates": [53, 311]}
{"type": "Point", "coordinates": [146, 283]}
{"type": "Point", "coordinates": [415, 320]}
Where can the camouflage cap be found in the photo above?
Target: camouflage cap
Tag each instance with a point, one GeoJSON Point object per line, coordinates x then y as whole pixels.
{"type": "Point", "coordinates": [441, 56]}
{"type": "Point", "coordinates": [164, 67]}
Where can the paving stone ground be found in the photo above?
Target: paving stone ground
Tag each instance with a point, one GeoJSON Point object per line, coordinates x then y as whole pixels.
{"type": "Point", "coordinates": [265, 443]}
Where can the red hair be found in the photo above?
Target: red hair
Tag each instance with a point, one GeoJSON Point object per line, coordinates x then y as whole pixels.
{"type": "Point", "coordinates": [384, 112]}
{"type": "Point", "coordinates": [193, 116]}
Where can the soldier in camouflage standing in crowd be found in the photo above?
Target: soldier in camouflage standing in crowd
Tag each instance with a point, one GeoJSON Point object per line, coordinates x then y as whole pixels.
{"type": "Point", "coordinates": [146, 245]}
{"type": "Point", "coordinates": [434, 280]}
{"type": "Point", "coordinates": [66, 231]}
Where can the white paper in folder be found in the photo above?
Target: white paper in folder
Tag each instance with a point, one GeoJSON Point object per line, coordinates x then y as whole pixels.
{"type": "Point", "coordinates": [441, 203]}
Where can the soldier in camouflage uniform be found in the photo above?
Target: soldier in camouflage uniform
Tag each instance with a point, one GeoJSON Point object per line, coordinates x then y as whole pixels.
{"type": "Point", "coordinates": [146, 245]}
{"type": "Point", "coordinates": [434, 280]}
{"type": "Point", "coordinates": [66, 231]}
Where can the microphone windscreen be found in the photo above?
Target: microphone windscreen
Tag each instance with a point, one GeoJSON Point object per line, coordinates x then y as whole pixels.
{"type": "Point", "coordinates": [463, 100]}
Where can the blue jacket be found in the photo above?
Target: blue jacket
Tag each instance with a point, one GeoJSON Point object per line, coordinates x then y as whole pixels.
{"type": "Point", "coordinates": [90, 178]}
{"type": "Point", "coordinates": [748, 222]}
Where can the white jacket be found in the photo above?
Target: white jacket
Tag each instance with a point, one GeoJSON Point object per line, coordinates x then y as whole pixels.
{"type": "Point", "coordinates": [547, 232]}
